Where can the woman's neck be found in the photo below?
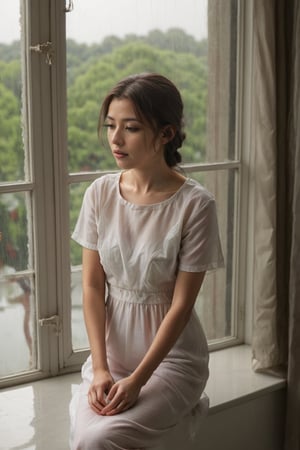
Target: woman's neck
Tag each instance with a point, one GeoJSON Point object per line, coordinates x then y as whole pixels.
{"type": "Point", "coordinates": [145, 188]}
{"type": "Point", "coordinates": [144, 181]}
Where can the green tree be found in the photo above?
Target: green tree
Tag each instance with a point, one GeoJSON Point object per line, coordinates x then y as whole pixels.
{"type": "Point", "coordinates": [10, 76]}
{"type": "Point", "coordinates": [89, 89]}
{"type": "Point", "coordinates": [11, 148]}
{"type": "Point", "coordinates": [79, 56]}
{"type": "Point", "coordinates": [10, 52]}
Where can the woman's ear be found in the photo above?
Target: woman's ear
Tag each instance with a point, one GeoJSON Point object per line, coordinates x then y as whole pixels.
{"type": "Point", "coordinates": [168, 133]}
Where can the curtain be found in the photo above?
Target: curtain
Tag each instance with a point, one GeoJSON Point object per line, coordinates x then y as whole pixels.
{"type": "Point", "coordinates": [276, 123]}
{"type": "Point", "coordinates": [293, 400]}
{"type": "Point", "coordinates": [266, 352]}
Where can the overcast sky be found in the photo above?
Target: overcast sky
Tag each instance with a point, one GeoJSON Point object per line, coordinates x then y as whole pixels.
{"type": "Point", "coordinates": [92, 20]}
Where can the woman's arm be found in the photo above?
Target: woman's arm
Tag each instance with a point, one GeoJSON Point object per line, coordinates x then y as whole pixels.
{"type": "Point", "coordinates": [186, 290]}
{"type": "Point", "coordinates": [125, 392]}
{"type": "Point", "coordinates": [93, 285]}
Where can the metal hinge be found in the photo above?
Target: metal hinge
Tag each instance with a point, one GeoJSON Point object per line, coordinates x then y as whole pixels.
{"type": "Point", "coordinates": [46, 48]}
{"type": "Point", "coordinates": [53, 321]}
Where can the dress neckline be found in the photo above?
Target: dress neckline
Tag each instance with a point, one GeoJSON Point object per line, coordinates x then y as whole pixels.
{"type": "Point", "coordinates": [147, 205]}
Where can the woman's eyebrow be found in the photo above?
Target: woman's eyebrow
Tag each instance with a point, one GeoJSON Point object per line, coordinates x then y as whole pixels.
{"type": "Point", "coordinates": [125, 119]}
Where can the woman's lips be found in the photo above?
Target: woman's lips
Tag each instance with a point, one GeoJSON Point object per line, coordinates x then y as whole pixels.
{"type": "Point", "coordinates": [120, 155]}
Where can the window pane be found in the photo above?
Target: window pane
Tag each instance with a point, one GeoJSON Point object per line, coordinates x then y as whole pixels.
{"type": "Point", "coordinates": [17, 305]}
{"type": "Point", "coordinates": [193, 43]}
{"type": "Point", "coordinates": [77, 191]}
{"type": "Point", "coordinates": [79, 336]}
{"type": "Point", "coordinates": [215, 304]}
{"type": "Point", "coordinates": [14, 230]}
{"type": "Point", "coordinates": [17, 282]}
{"type": "Point", "coordinates": [222, 60]}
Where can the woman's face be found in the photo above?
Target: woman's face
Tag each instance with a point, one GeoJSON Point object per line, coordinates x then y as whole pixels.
{"type": "Point", "coordinates": [131, 140]}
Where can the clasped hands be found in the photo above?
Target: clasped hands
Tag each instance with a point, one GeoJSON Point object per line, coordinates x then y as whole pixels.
{"type": "Point", "coordinates": [107, 397]}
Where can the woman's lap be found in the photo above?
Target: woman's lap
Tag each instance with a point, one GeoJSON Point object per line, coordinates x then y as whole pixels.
{"type": "Point", "coordinates": [160, 407]}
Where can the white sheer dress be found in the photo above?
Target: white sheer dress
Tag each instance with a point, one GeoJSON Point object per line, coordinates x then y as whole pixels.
{"type": "Point", "coordinates": [141, 248]}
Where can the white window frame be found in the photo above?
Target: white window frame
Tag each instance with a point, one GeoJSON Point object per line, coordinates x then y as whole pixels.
{"type": "Point", "coordinates": [47, 111]}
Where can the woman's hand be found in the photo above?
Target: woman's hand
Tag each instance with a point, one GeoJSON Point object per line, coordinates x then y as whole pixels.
{"type": "Point", "coordinates": [99, 389]}
{"type": "Point", "coordinates": [122, 395]}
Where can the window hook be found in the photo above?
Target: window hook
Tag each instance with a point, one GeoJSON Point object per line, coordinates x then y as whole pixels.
{"type": "Point", "coordinates": [70, 6]}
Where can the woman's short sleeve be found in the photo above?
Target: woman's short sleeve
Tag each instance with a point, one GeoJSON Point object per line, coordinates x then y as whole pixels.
{"type": "Point", "coordinates": [200, 245]}
{"type": "Point", "coordinates": [85, 232]}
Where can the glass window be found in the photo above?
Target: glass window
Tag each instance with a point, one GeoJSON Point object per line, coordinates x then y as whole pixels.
{"type": "Point", "coordinates": [215, 304]}
{"type": "Point", "coordinates": [17, 326]}
{"type": "Point", "coordinates": [194, 44]}
{"type": "Point", "coordinates": [78, 330]}
{"type": "Point", "coordinates": [48, 128]}
{"type": "Point", "coordinates": [11, 143]}
{"type": "Point", "coordinates": [17, 283]}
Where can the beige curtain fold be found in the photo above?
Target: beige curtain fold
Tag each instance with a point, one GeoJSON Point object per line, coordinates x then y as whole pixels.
{"type": "Point", "coordinates": [293, 395]}
{"type": "Point", "coordinates": [266, 353]}
{"type": "Point", "coordinates": [276, 131]}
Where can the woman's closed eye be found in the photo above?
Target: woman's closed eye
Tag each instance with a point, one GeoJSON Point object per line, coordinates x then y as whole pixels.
{"type": "Point", "coordinates": [129, 128]}
{"type": "Point", "coordinates": [132, 129]}
{"type": "Point", "coordinates": [108, 125]}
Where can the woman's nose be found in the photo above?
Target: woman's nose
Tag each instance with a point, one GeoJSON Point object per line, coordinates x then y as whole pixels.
{"type": "Point", "coordinates": [117, 136]}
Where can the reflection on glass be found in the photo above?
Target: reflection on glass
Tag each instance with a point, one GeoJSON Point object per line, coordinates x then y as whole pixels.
{"type": "Point", "coordinates": [16, 287]}
{"type": "Point", "coordinates": [13, 228]}
{"type": "Point", "coordinates": [215, 303]}
{"type": "Point", "coordinates": [17, 326]}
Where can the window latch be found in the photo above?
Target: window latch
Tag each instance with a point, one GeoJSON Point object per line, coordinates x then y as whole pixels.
{"type": "Point", "coordinates": [45, 48]}
{"type": "Point", "coordinates": [69, 7]}
{"type": "Point", "coordinates": [52, 321]}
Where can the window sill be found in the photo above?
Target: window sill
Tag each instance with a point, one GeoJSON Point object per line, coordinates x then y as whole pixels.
{"type": "Point", "coordinates": [232, 380]}
{"type": "Point", "coordinates": [38, 408]}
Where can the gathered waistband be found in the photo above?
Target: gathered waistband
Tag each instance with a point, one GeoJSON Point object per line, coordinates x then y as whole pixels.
{"type": "Point", "coordinates": [136, 296]}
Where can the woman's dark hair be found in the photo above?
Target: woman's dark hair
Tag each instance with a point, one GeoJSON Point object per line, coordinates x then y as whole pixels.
{"type": "Point", "coordinates": [157, 101]}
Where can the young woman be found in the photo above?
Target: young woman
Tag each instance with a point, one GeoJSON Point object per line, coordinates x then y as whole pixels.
{"type": "Point", "coordinates": [148, 234]}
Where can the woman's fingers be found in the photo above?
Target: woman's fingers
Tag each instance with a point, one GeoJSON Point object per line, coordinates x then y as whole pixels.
{"type": "Point", "coordinates": [118, 400]}
{"type": "Point", "coordinates": [121, 396]}
{"type": "Point", "coordinates": [122, 406]}
{"type": "Point", "coordinates": [115, 407]}
{"type": "Point", "coordinates": [101, 385]}
{"type": "Point", "coordinates": [96, 400]}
